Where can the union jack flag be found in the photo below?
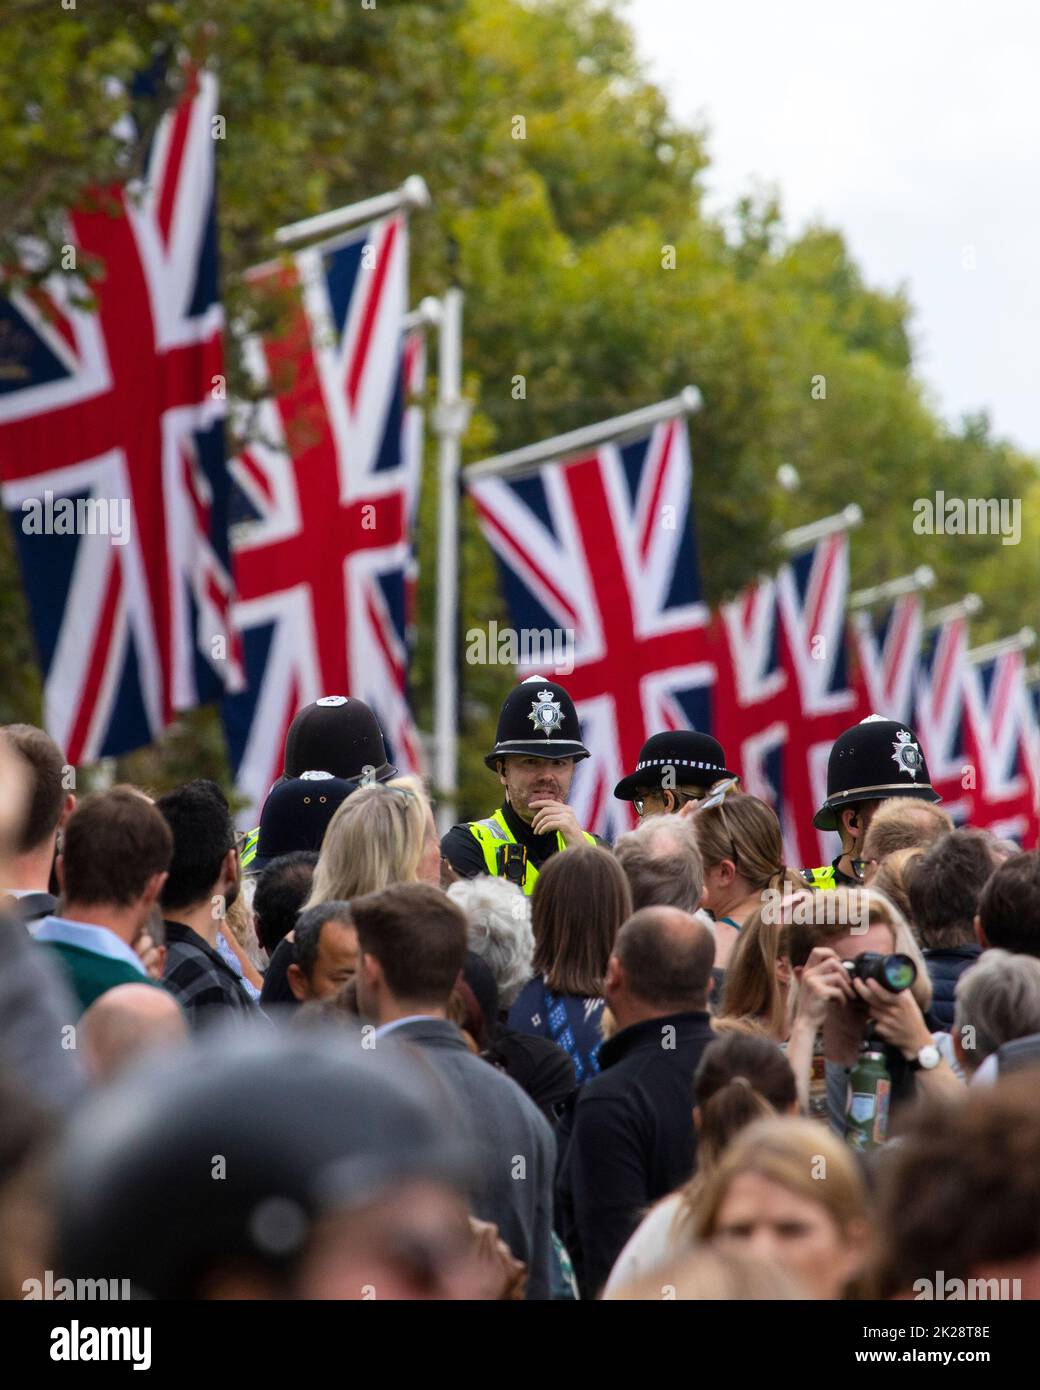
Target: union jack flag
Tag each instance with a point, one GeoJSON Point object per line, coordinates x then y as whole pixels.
{"type": "Point", "coordinates": [1001, 738]}
{"type": "Point", "coordinates": [323, 562]}
{"type": "Point", "coordinates": [812, 592]}
{"type": "Point", "coordinates": [752, 706]}
{"type": "Point", "coordinates": [941, 716]}
{"type": "Point", "coordinates": [601, 548]}
{"type": "Point", "coordinates": [120, 411]}
{"type": "Point", "coordinates": [887, 657]}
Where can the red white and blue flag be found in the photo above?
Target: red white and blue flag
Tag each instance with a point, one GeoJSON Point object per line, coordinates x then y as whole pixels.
{"type": "Point", "coordinates": [600, 551]}
{"type": "Point", "coordinates": [752, 717]}
{"type": "Point", "coordinates": [112, 455]}
{"type": "Point", "coordinates": [887, 657]}
{"type": "Point", "coordinates": [322, 551]}
{"type": "Point", "coordinates": [941, 721]}
{"type": "Point", "coordinates": [812, 592]}
{"type": "Point", "coordinates": [1001, 743]}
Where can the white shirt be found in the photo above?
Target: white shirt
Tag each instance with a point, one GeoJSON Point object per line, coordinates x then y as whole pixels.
{"type": "Point", "coordinates": [651, 1245]}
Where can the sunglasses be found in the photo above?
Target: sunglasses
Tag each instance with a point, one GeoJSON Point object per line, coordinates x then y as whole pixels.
{"type": "Point", "coordinates": [681, 798]}
{"type": "Point", "coordinates": [860, 867]}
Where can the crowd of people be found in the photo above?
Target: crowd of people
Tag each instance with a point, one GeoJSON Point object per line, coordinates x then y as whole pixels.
{"type": "Point", "coordinates": [342, 1056]}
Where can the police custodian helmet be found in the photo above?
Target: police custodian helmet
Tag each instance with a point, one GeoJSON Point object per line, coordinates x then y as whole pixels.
{"type": "Point", "coordinates": [538, 720]}
{"type": "Point", "coordinates": [873, 760]}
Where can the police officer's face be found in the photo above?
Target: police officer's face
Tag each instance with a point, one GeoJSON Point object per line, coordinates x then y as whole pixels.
{"type": "Point", "coordinates": [533, 779]}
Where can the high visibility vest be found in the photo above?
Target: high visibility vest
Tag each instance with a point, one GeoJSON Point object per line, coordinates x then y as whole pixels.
{"type": "Point", "coordinates": [821, 878]}
{"type": "Point", "coordinates": [249, 848]}
{"type": "Point", "coordinates": [492, 834]}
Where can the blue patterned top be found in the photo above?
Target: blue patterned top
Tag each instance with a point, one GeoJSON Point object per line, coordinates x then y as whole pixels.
{"type": "Point", "coordinates": [570, 1021]}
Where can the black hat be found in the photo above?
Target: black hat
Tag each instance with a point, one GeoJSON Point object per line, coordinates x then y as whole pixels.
{"type": "Point", "coordinates": [538, 720]}
{"type": "Point", "coordinates": [296, 814]}
{"type": "Point", "coordinates": [695, 759]}
{"type": "Point", "coordinates": [337, 734]}
{"type": "Point", "coordinates": [872, 761]}
{"type": "Point", "coordinates": [306, 1125]}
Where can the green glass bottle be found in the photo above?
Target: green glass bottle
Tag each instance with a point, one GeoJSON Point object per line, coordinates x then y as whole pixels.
{"type": "Point", "coordinates": [866, 1121]}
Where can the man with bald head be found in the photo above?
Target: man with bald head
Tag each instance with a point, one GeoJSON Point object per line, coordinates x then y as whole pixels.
{"type": "Point", "coordinates": [631, 1137]}
{"type": "Point", "coordinates": [126, 1022]}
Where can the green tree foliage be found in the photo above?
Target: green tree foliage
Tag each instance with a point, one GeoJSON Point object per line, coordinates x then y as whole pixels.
{"type": "Point", "coordinates": [567, 202]}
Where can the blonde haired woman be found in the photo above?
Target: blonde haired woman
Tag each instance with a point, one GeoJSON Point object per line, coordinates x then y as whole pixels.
{"type": "Point", "coordinates": [380, 835]}
{"type": "Point", "coordinates": [838, 926]}
{"type": "Point", "coordinates": [789, 1192]}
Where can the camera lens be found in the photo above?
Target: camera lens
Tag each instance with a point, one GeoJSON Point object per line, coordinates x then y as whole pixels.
{"type": "Point", "coordinates": [899, 973]}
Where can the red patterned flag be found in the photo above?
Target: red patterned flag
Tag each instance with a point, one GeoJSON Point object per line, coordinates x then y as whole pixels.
{"type": "Point", "coordinates": [323, 558]}
{"type": "Point", "coordinates": [599, 552]}
{"type": "Point", "coordinates": [1001, 745]}
{"type": "Point", "coordinates": [112, 456]}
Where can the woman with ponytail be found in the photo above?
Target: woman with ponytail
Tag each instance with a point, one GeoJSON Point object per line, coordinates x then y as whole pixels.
{"type": "Point", "coordinates": [740, 1079]}
{"type": "Point", "coordinates": [742, 848]}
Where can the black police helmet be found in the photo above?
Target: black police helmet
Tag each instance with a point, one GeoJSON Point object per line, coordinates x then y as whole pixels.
{"type": "Point", "coordinates": [872, 761]}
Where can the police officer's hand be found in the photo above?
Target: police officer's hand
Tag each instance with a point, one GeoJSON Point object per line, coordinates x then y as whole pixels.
{"type": "Point", "coordinates": [824, 981]}
{"type": "Point", "coordinates": [897, 1017]}
{"type": "Point", "coordinates": [556, 815]}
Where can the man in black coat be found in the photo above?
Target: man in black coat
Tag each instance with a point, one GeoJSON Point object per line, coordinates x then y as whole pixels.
{"type": "Point", "coordinates": [412, 942]}
{"type": "Point", "coordinates": [630, 1138]}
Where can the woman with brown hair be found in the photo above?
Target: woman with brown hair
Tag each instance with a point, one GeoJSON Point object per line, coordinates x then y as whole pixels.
{"type": "Point", "coordinates": [743, 852]}
{"type": "Point", "coordinates": [579, 901]}
{"type": "Point", "coordinates": [758, 977]}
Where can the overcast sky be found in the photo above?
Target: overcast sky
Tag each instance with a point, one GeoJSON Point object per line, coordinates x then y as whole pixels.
{"type": "Point", "coordinates": [913, 126]}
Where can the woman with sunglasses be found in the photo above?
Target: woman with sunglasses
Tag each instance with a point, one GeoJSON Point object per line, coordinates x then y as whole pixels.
{"type": "Point", "coordinates": [673, 770]}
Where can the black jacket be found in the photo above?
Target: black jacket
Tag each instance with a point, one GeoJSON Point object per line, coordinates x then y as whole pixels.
{"type": "Point", "coordinates": [629, 1139]}
{"type": "Point", "coordinates": [945, 967]}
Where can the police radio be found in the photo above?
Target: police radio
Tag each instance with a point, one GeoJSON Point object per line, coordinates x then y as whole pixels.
{"type": "Point", "coordinates": [512, 863]}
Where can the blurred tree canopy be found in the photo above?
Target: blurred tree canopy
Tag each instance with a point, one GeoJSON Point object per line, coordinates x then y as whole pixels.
{"type": "Point", "coordinates": [568, 204]}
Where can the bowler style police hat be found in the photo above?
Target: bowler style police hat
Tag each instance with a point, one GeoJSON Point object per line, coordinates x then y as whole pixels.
{"type": "Point", "coordinates": [872, 761]}
{"type": "Point", "coordinates": [695, 760]}
{"type": "Point", "coordinates": [538, 720]}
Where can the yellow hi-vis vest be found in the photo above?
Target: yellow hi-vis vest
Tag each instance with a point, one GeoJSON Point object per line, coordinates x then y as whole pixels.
{"type": "Point", "coordinates": [493, 832]}
{"type": "Point", "coordinates": [249, 848]}
{"type": "Point", "coordinates": [821, 878]}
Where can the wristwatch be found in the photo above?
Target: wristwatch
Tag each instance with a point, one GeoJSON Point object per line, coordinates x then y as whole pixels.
{"type": "Point", "coordinates": [927, 1059]}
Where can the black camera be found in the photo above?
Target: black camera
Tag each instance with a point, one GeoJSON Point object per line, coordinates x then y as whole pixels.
{"type": "Point", "coordinates": [895, 973]}
{"type": "Point", "coordinates": [512, 863]}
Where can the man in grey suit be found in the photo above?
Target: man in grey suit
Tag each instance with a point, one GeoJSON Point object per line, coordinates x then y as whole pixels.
{"type": "Point", "coordinates": [412, 941]}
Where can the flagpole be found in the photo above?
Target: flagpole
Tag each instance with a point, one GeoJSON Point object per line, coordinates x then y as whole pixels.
{"type": "Point", "coordinates": [561, 446]}
{"type": "Point", "coordinates": [1019, 641]}
{"type": "Point", "coordinates": [802, 537]}
{"type": "Point", "coordinates": [450, 420]}
{"type": "Point", "coordinates": [411, 195]}
{"type": "Point", "coordinates": [922, 578]}
{"type": "Point", "coordinates": [967, 607]}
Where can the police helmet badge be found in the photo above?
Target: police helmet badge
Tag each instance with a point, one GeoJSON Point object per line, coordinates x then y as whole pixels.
{"type": "Point", "coordinates": [906, 755]}
{"type": "Point", "coordinates": [546, 713]}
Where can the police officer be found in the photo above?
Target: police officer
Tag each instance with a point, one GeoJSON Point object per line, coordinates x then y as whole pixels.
{"type": "Point", "coordinates": [337, 735]}
{"type": "Point", "coordinates": [870, 762]}
{"type": "Point", "coordinates": [537, 744]}
{"type": "Point", "coordinates": [673, 768]}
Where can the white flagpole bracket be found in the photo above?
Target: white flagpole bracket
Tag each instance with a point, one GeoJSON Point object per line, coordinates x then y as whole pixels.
{"type": "Point", "coordinates": [564, 446]}
{"type": "Point", "coordinates": [410, 197]}
{"type": "Point", "coordinates": [1019, 641]}
{"type": "Point", "coordinates": [428, 313]}
{"type": "Point", "coordinates": [922, 578]}
{"type": "Point", "coordinates": [802, 537]}
{"type": "Point", "coordinates": [967, 607]}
